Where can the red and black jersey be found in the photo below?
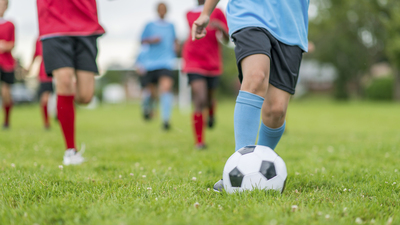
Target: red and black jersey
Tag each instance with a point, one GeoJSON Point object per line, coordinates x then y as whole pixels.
{"type": "Point", "coordinates": [7, 33]}
{"type": "Point", "coordinates": [68, 18]}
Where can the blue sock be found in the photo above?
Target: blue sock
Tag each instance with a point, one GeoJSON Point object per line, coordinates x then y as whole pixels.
{"type": "Point", "coordinates": [166, 101]}
{"type": "Point", "coordinates": [270, 137]}
{"type": "Point", "coordinates": [247, 118]}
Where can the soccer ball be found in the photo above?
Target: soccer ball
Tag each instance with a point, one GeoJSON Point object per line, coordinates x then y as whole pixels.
{"type": "Point", "coordinates": [254, 167]}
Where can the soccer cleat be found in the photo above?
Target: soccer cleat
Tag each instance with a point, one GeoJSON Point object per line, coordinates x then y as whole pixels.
{"type": "Point", "coordinates": [166, 126]}
{"type": "Point", "coordinates": [200, 146]}
{"type": "Point", "coordinates": [211, 122]}
{"type": "Point", "coordinates": [72, 157]}
{"type": "Point", "coordinates": [6, 126]}
{"type": "Point", "coordinates": [219, 186]}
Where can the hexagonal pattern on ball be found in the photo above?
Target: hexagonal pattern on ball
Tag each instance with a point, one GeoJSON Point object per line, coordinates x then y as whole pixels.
{"type": "Point", "coordinates": [254, 181]}
{"type": "Point", "coordinates": [236, 178]}
{"type": "Point", "coordinates": [265, 153]}
{"type": "Point", "coordinates": [249, 163]}
{"type": "Point", "coordinates": [247, 149]}
{"type": "Point", "coordinates": [232, 162]}
{"type": "Point", "coordinates": [267, 169]}
{"type": "Point", "coordinates": [280, 168]}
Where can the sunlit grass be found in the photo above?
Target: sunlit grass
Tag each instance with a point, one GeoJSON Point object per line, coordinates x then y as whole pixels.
{"type": "Point", "coordinates": [342, 159]}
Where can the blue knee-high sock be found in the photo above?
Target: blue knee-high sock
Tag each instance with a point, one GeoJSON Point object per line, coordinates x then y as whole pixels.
{"type": "Point", "coordinates": [270, 137]}
{"type": "Point", "coordinates": [166, 101]}
{"type": "Point", "coordinates": [247, 118]}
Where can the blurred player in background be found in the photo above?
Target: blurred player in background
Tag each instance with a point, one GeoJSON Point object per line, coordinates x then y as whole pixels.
{"type": "Point", "coordinates": [270, 38]}
{"type": "Point", "coordinates": [161, 39]}
{"type": "Point", "coordinates": [203, 66]}
{"type": "Point", "coordinates": [149, 90]}
{"type": "Point", "coordinates": [46, 84]}
{"type": "Point", "coordinates": [7, 62]}
{"type": "Point", "coordinates": [69, 31]}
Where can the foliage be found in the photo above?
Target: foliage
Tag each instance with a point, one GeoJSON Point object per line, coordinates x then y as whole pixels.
{"type": "Point", "coordinates": [344, 34]}
{"type": "Point", "coordinates": [380, 89]}
{"type": "Point", "coordinates": [229, 79]}
{"type": "Point", "coordinates": [345, 171]}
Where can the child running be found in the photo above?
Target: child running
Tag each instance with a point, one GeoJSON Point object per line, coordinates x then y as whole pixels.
{"type": "Point", "coordinates": [270, 38]}
{"type": "Point", "coordinates": [203, 65]}
{"type": "Point", "coordinates": [160, 37]}
{"type": "Point", "coordinates": [7, 62]}
{"type": "Point", "coordinates": [46, 84]}
{"type": "Point", "coordinates": [69, 31]}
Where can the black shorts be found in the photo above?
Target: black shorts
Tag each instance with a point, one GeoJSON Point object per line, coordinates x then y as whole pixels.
{"type": "Point", "coordinates": [45, 87]}
{"type": "Point", "coordinates": [212, 82]}
{"type": "Point", "coordinates": [152, 77]}
{"type": "Point", "coordinates": [7, 77]}
{"type": "Point", "coordinates": [285, 59]}
{"type": "Point", "coordinates": [78, 52]}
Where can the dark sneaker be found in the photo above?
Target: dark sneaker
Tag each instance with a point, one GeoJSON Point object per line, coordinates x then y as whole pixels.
{"type": "Point", "coordinates": [6, 126]}
{"type": "Point", "coordinates": [211, 122]}
{"type": "Point", "coordinates": [219, 186]}
{"type": "Point", "coordinates": [166, 126]}
{"type": "Point", "coordinates": [201, 146]}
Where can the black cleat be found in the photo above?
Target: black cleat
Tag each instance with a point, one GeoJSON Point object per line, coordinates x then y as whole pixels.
{"type": "Point", "coordinates": [219, 186]}
{"type": "Point", "coordinates": [211, 122]}
{"type": "Point", "coordinates": [6, 126]}
{"type": "Point", "coordinates": [166, 126]}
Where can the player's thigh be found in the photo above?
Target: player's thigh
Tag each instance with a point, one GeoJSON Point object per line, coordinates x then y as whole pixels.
{"type": "Point", "coordinates": [255, 69]}
{"type": "Point", "coordinates": [85, 85]}
{"type": "Point", "coordinates": [199, 90]}
{"type": "Point", "coordinates": [64, 80]}
{"type": "Point", "coordinates": [165, 81]}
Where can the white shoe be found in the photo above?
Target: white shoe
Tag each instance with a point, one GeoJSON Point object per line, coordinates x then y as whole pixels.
{"type": "Point", "coordinates": [72, 157]}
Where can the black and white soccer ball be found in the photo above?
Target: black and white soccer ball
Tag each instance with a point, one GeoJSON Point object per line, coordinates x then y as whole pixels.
{"type": "Point", "coordinates": [254, 167]}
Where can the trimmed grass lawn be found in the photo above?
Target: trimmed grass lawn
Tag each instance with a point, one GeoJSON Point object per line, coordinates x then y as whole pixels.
{"type": "Point", "coordinates": [343, 162]}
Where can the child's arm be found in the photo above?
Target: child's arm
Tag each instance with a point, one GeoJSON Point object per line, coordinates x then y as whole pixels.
{"type": "Point", "coordinates": [199, 26]}
{"type": "Point", "coordinates": [6, 46]}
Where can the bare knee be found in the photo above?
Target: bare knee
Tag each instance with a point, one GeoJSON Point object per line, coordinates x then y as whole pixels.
{"type": "Point", "coordinates": [200, 103]}
{"type": "Point", "coordinates": [84, 99]}
{"type": "Point", "coordinates": [64, 81]}
{"type": "Point", "coordinates": [255, 82]}
{"type": "Point", "coordinates": [275, 113]}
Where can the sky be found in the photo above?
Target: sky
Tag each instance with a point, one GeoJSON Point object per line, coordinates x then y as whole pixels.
{"type": "Point", "coordinates": [123, 20]}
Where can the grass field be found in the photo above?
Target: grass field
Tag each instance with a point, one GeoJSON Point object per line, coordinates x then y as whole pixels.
{"type": "Point", "coordinates": [342, 158]}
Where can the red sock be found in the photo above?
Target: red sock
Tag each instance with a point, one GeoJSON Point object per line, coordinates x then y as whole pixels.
{"type": "Point", "coordinates": [66, 116]}
{"type": "Point", "coordinates": [211, 110]}
{"type": "Point", "coordinates": [198, 125]}
{"type": "Point", "coordinates": [7, 109]}
{"type": "Point", "coordinates": [45, 115]}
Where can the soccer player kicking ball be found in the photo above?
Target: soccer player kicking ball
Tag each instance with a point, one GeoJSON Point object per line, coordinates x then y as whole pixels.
{"type": "Point", "coordinates": [203, 65]}
{"type": "Point", "coordinates": [161, 38]}
{"type": "Point", "coordinates": [7, 63]}
{"type": "Point", "coordinates": [270, 38]}
{"type": "Point", "coordinates": [46, 84]}
{"type": "Point", "coordinates": [69, 30]}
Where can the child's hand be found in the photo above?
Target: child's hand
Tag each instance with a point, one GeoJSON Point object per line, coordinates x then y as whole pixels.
{"type": "Point", "coordinates": [199, 27]}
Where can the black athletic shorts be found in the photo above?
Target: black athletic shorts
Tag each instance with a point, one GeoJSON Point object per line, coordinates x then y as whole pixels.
{"type": "Point", "coordinates": [45, 87]}
{"type": "Point", "coordinates": [78, 52]}
{"type": "Point", "coordinates": [7, 77]}
{"type": "Point", "coordinates": [285, 59]}
{"type": "Point", "coordinates": [152, 77]}
{"type": "Point", "coordinates": [212, 82]}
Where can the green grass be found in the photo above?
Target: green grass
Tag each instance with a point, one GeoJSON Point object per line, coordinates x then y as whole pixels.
{"type": "Point", "coordinates": [342, 159]}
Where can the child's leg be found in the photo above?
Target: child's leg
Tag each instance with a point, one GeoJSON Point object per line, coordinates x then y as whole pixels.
{"type": "Point", "coordinates": [273, 117]}
{"type": "Point", "coordinates": [166, 97]}
{"type": "Point", "coordinates": [44, 99]}
{"type": "Point", "coordinates": [199, 91]}
{"type": "Point", "coordinates": [65, 103]}
{"type": "Point", "coordinates": [7, 102]}
{"type": "Point", "coordinates": [255, 69]}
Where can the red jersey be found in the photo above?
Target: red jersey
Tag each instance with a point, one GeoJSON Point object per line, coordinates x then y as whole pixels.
{"type": "Point", "coordinates": [68, 18]}
{"type": "Point", "coordinates": [42, 72]}
{"type": "Point", "coordinates": [7, 33]}
{"type": "Point", "coordinates": [204, 56]}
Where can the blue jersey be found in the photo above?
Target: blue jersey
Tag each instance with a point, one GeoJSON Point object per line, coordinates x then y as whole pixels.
{"type": "Point", "coordinates": [162, 54]}
{"type": "Point", "coordinates": [286, 20]}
